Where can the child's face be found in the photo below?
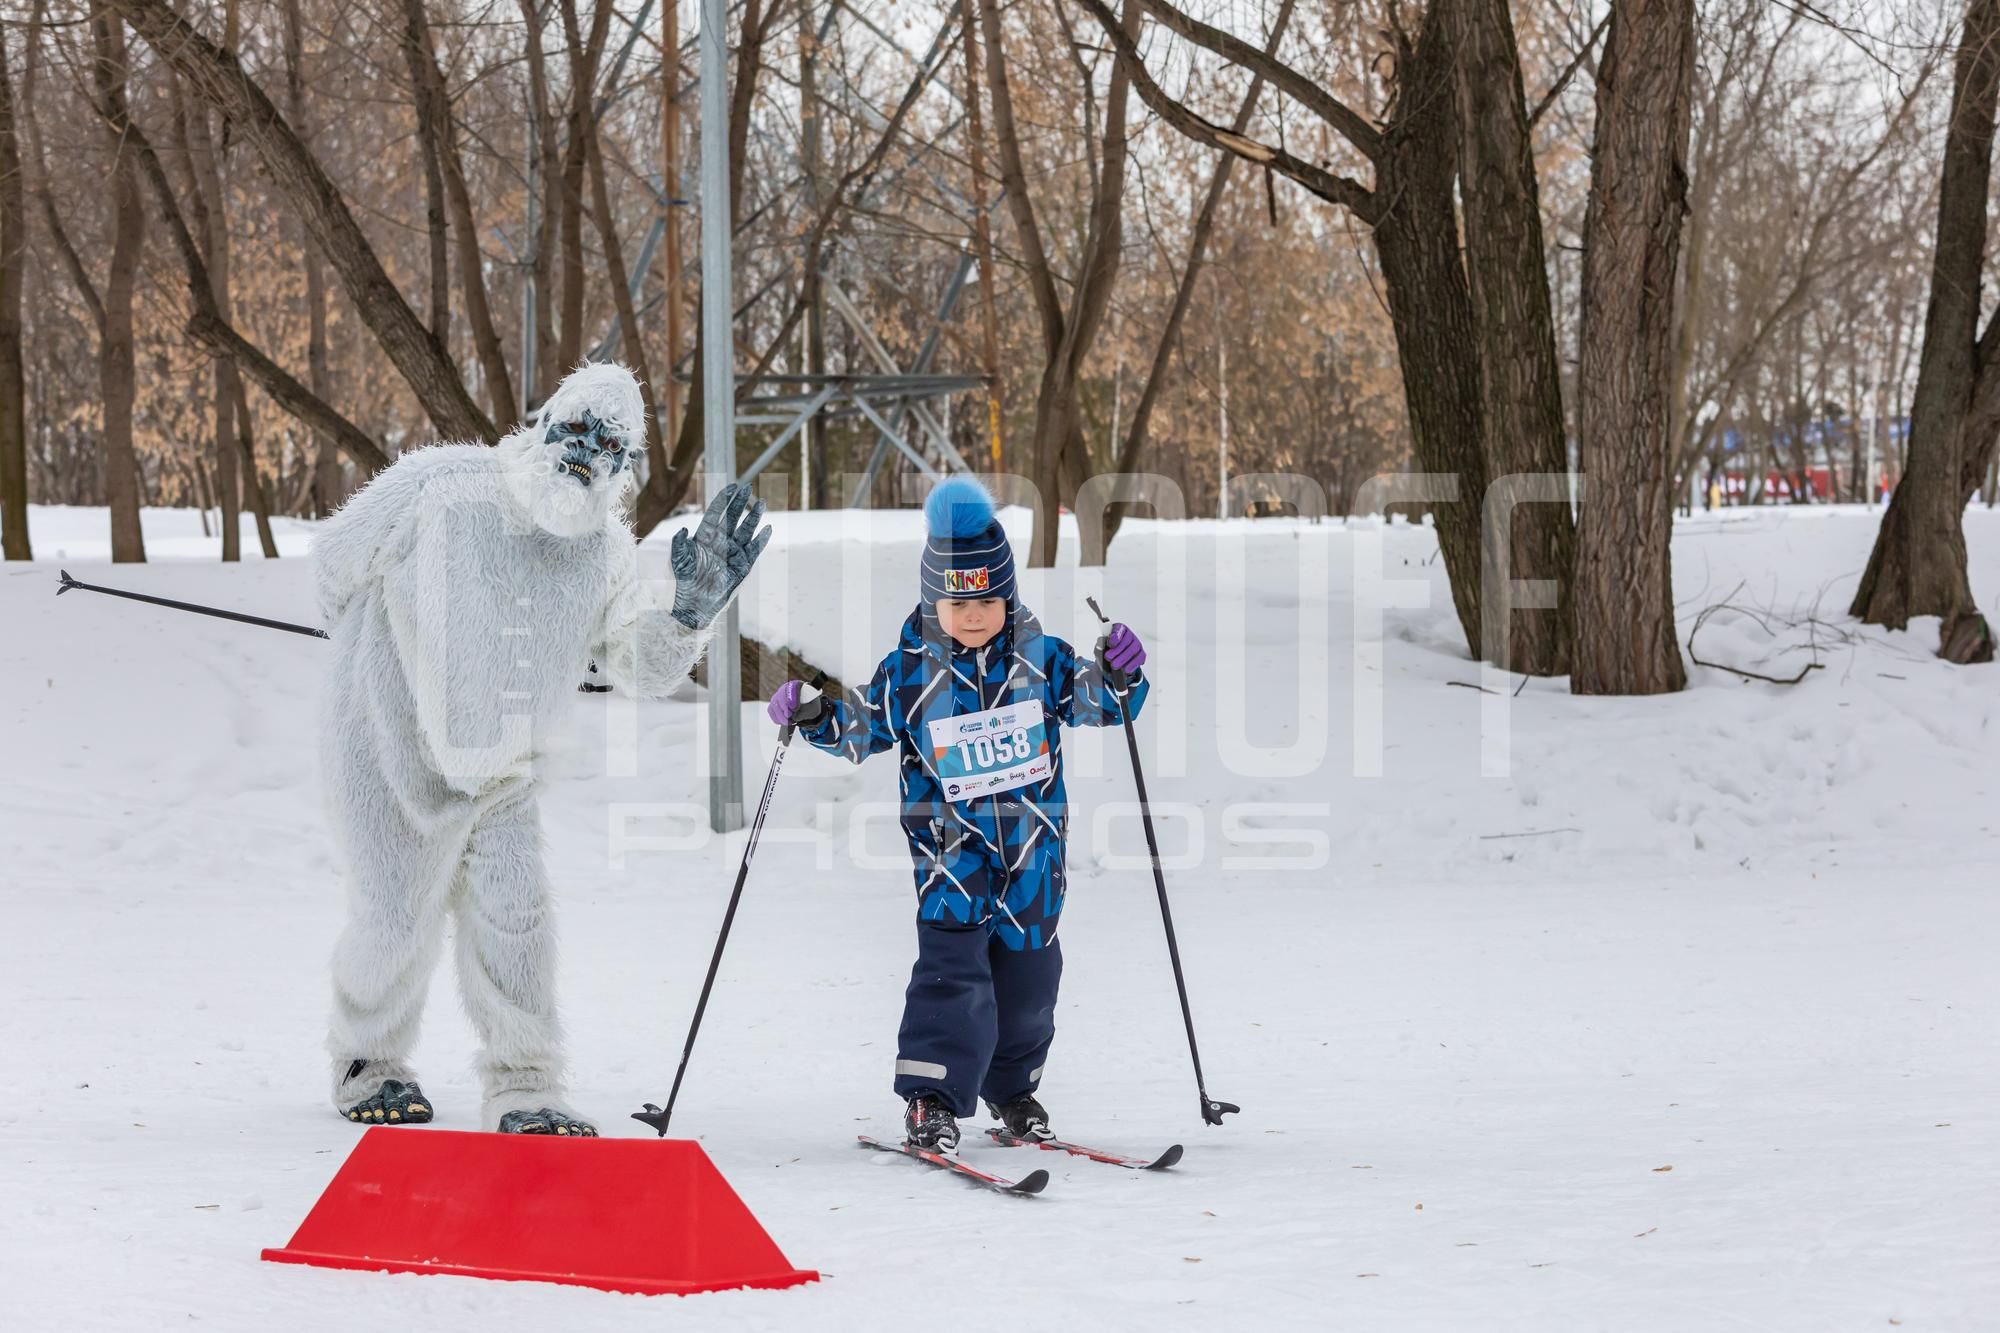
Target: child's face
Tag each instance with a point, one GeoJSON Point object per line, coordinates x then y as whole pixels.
{"type": "Point", "coordinates": [972, 624]}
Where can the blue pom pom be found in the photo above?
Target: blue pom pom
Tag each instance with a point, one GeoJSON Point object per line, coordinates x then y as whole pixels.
{"type": "Point", "coordinates": [959, 508]}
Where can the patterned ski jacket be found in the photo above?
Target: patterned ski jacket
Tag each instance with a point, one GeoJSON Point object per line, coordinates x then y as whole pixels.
{"type": "Point", "coordinates": [928, 677]}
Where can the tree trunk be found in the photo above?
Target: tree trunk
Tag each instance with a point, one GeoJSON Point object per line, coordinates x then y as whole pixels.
{"type": "Point", "coordinates": [670, 222]}
{"type": "Point", "coordinates": [116, 372]}
{"type": "Point", "coordinates": [253, 479]}
{"type": "Point", "coordinates": [1624, 623]}
{"type": "Point", "coordinates": [548, 176]}
{"type": "Point", "coordinates": [441, 128]}
{"type": "Point", "coordinates": [631, 343]}
{"type": "Point", "coordinates": [584, 56]}
{"type": "Point", "coordinates": [13, 385]}
{"type": "Point", "coordinates": [982, 242]}
{"type": "Point", "coordinates": [1918, 565]}
{"type": "Point", "coordinates": [433, 117]}
{"type": "Point", "coordinates": [326, 487]}
{"type": "Point", "coordinates": [211, 225]}
{"type": "Point", "coordinates": [1430, 308]}
{"type": "Point", "coordinates": [1520, 388]}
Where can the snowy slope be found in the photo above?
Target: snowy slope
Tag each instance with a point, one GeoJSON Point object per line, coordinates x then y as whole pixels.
{"type": "Point", "coordinates": [1762, 957]}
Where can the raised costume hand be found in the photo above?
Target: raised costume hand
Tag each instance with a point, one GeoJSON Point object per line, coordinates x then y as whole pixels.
{"type": "Point", "coordinates": [710, 565]}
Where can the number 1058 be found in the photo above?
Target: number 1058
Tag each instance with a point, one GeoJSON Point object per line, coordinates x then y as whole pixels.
{"type": "Point", "coordinates": [991, 751]}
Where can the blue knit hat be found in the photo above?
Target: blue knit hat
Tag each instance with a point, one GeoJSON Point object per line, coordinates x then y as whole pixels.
{"type": "Point", "coordinates": [966, 556]}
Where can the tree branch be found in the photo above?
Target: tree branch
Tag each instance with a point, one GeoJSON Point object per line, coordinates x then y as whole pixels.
{"type": "Point", "coordinates": [1330, 186]}
{"type": "Point", "coordinates": [1350, 124]}
{"type": "Point", "coordinates": [1569, 71]}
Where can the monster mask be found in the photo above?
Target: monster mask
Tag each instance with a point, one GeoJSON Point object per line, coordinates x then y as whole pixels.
{"type": "Point", "coordinates": [587, 443]}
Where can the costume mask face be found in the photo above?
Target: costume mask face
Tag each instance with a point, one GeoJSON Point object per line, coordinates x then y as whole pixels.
{"type": "Point", "coordinates": [588, 445]}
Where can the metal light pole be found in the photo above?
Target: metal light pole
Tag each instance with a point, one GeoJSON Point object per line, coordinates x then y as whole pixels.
{"type": "Point", "coordinates": [718, 397]}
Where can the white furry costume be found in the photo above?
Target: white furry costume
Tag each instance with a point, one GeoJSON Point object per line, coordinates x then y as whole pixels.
{"type": "Point", "coordinates": [465, 589]}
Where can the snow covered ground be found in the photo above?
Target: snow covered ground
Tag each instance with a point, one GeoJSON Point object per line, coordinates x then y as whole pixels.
{"type": "Point", "coordinates": [1480, 968]}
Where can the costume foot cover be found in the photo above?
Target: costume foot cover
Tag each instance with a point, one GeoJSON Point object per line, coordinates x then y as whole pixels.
{"type": "Point", "coordinates": [394, 1103]}
{"type": "Point", "coordinates": [546, 1121]}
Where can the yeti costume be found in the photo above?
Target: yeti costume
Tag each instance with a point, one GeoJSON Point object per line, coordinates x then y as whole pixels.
{"type": "Point", "coordinates": [465, 590]}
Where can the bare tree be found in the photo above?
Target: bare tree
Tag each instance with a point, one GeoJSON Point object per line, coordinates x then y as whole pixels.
{"type": "Point", "coordinates": [1918, 564]}
{"type": "Point", "coordinates": [1520, 387]}
{"type": "Point", "coordinates": [116, 375]}
{"type": "Point", "coordinates": [1069, 330]}
{"type": "Point", "coordinates": [1131, 450]}
{"type": "Point", "coordinates": [1625, 641]}
{"type": "Point", "coordinates": [326, 488]}
{"type": "Point", "coordinates": [433, 114]}
{"type": "Point", "coordinates": [209, 329]}
{"type": "Point", "coordinates": [13, 383]}
{"type": "Point", "coordinates": [218, 78]}
{"type": "Point", "coordinates": [208, 201]}
{"type": "Point", "coordinates": [439, 127]}
{"type": "Point", "coordinates": [1412, 214]}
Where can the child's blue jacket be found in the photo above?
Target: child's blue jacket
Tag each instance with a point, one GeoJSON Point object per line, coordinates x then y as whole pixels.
{"type": "Point", "coordinates": [928, 676]}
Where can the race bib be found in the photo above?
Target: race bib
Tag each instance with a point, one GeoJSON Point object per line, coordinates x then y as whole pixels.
{"type": "Point", "coordinates": [979, 754]}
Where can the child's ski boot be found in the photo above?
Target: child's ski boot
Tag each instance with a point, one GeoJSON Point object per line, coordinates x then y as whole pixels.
{"type": "Point", "coordinates": [928, 1123]}
{"type": "Point", "coordinates": [1023, 1118]}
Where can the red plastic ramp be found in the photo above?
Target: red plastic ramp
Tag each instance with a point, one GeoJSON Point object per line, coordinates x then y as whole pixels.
{"type": "Point", "coordinates": [651, 1216]}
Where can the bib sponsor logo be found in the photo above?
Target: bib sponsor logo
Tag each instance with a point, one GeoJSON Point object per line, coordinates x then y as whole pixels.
{"type": "Point", "coordinates": [958, 582]}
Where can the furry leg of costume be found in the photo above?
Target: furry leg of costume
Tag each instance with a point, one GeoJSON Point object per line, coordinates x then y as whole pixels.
{"type": "Point", "coordinates": [401, 870]}
{"type": "Point", "coordinates": [507, 962]}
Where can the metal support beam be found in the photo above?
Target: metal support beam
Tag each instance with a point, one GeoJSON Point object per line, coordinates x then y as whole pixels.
{"type": "Point", "coordinates": [889, 433]}
{"type": "Point", "coordinates": [717, 388]}
{"type": "Point", "coordinates": [806, 414]}
{"type": "Point", "coordinates": [857, 323]}
{"type": "Point", "coordinates": [864, 489]}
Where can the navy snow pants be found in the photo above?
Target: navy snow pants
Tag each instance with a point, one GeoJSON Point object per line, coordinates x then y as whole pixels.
{"type": "Point", "coordinates": [978, 1017]}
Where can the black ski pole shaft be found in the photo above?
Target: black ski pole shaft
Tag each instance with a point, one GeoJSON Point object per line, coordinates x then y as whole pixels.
{"type": "Point", "coordinates": [216, 611]}
{"type": "Point", "coordinates": [1212, 1111]}
{"type": "Point", "coordinates": [653, 1115]}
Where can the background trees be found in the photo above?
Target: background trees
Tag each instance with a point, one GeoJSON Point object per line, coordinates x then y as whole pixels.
{"type": "Point", "coordinates": [329, 230]}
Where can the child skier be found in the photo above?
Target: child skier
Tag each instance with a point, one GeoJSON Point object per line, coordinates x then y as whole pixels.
{"type": "Point", "coordinates": [974, 694]}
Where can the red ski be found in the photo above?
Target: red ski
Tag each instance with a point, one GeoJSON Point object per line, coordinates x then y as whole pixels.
{"type": "Point", "coordinates": [1160, 1163]}
{"type": "Point", "coordinates": [1032, 1183]}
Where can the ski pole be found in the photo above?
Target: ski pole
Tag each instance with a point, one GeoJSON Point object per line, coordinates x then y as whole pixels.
{"type": "Point", "coordinates": [1212, 1111]}
{"type": "Point", "coordinates": [653, 1115]}
{"type": "Point", "coordinates": [216, 611]}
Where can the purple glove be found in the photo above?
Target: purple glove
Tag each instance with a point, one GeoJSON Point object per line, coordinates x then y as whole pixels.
{"type": "Point", "coordinates": [787, 710]}
{"type": "Point", "coordinates": [785, 702]}
{"type": "Point", "coordinates": [1123, 652]}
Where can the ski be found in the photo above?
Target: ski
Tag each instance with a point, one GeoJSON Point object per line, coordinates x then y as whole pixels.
{"type": "Point", "coordinates": [1160, 1163]}
{"type": "Point", "coordinates": [1032, 1183]}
